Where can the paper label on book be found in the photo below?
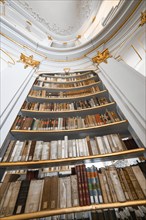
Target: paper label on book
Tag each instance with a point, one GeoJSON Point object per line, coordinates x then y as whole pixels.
{"type": "Point", "coordinates": [45, 204]}
{"type": "Point", "coordinates": [19, 209]}
{"type": "Point", "coordinates": [53, 204]}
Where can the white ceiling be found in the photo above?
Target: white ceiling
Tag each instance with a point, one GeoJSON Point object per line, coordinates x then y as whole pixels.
{"type": "Point", "coordinates": [62, 17]}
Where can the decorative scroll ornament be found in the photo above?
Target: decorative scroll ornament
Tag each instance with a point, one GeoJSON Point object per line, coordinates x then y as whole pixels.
{"type": "Point", "coordinates": [28, 61]}
{"type": "Point", "coordinates": [143, 18]}
{"type": "Point", "coordinates": [101, 57]}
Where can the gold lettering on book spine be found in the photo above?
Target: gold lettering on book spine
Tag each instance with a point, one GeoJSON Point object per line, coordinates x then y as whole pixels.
{"type": "Point", "coordinates": [28, 61]}
{"type": "Point", "coordinates": [142, 18]}
{"type": "Point", "coordinates": [101, 57]}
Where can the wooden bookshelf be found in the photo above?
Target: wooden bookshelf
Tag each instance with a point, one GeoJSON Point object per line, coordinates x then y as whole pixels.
{"type": "Point", "coordinates": [93, 110]}
{"type": "Point", "coordinates": [74, 160]}
{"type": "Point", "coordinates": [61, 99]}
{"type": "Point", "coordinates": [66, 89]}
{"type": "Point", "coordinates": [120, 127]}
{"type": "Point", "coordinates": [94, 207]}
{"type": "Point", "coordinates": [67, 82]}
{"type": "Point", "coordinates": [84, 73]}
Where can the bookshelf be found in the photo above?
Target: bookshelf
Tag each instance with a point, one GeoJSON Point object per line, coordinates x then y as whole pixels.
{"type": "Point", "coordinates": [113, 122]}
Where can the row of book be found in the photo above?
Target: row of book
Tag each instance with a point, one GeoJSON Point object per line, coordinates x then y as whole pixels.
{"type": "Point", "coordinates": [27, 123]}
{"type": "Point", "coordinates": [64, 86]}
{"type": "Point", "coordinates": [87, 186]}
{"type": "Point", "coordinates": [124, 213]}
{"type": "Point", "coordinates": [58, 149]}
{"type": "Point", "coordinates": [73, 94]}
{"type": "Point", "coordinates": [68, 75]}
{"type": "Point", "coordinates": [68, 80]}
{"type": "Point", "coordinates": [76, 105]}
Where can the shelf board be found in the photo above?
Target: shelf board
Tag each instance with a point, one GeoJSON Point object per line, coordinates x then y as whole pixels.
{"type": "Point", "coordinates": [120, 126]}
{"type": "Point", "coordinates": [70, 98]}
{"type": "Point", "coordinates": [74, 160]}
{"type": "Point", "coordinates": [66, 89]}
{"type": "Point", "coordinates": [66, 82]}
{"type": "Point", "coordinates": [37, 113]}
{"type": "Point", "coordinates": [95, 207]}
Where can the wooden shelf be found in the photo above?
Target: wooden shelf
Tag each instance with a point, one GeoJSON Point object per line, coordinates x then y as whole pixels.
{"type": "Point", "coordinates": [66, 89]}
{"type": "Point", "coordinates": [95, 207]}
{"type": "Point", "coordinates": [67, 82]}
{"type": "Point", "coordinates": [93, 110]}
{"type": "Point", "coordinates": [120, 126]}
{"type": "Point", "coordinates": [74, 160]}
{"type": "Point", "coordinates": [61, 99]}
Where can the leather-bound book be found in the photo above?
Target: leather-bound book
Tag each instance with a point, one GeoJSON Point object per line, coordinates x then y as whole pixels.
{"type": "Point", "coordinates": [31, 152]}
{"type": "Point", "coordinates": [9, 150]}
{"type": "Point", "coordinates": [45, 203]}
{"type": "Point", "coordinates": [21, 200]}
{"type": "Point", "coordinates": [135, 183]}
{"type": "Point", "coordinates": [117, 184]}
{"type": "Point", "coordinates": [74, 190]}
{"type": "Point", "coordinates": [27, 124]}
{"type": "Point", "coordinates": [103, 188]}
{"type": "Point", "coordinates": [77, 169]}
{"type": "Point", "coordinates": [54, 193]}
{"type": "Point", "coordinates": [85, 180]}
{"type": "Point", "coordinates": [132, 190]}
{"type": "Point", "coordinates": [126, 185]}
{"type": "Point", "coordinates": [34, 196]}
{"type": "Point", "coordinates": [11, 197]}
{"type": "Point", "coordinates": [112, 214]}
{"type": "Point", "coordinates": [140, 178]}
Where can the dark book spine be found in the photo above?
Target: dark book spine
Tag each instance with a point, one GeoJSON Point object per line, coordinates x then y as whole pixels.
{"type": "Point", "coordinates": [85, 180]}
{"type": "Point", "coordinates": [77, 168]}
{"type": "Point", "coordinates": [22, 196]}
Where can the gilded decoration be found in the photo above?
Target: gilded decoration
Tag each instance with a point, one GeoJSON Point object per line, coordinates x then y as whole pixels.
{"type": "Point", "coordinates": [28, 61]}
{"type": "Point", "coordinates": [143, 18]}
{"type": "Point", "coordinates": [101, 57]}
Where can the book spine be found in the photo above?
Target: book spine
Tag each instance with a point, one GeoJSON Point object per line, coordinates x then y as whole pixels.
{"type": "Point", "coordinates": [80, 192]}
{"type": "Point", "coordinates": [22, 196]}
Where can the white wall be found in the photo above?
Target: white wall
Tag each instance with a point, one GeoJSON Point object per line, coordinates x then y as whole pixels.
{"type": "Point", "coordinates": [127, 86]}
{"type": "Point", "coordinates": [15, 85]}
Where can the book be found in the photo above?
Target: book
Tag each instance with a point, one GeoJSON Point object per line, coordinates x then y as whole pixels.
{"type": "Point", "coordinates": [34, 196]}
{"type": "Point", "coordinates": [140, 178]}
{"type": "Point", "coordinates": [22, 196]}
{"type": "Point", "coordinates": [46, 203]}
{"type": "Point", "coordinates": [74, 190]}
{"type": "Point", "coordinates": [117, 184]}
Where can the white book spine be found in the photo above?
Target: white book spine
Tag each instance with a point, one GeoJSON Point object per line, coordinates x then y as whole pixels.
{"type": "Point", "coordinates": [117, 184]}
{"type": "Point", "coordinates": [100, 145]}
{"type": "Point", "coordinates": [74, 148]}
{"type": "Point", "coordinates": [107, 144]}
{"type": "Point", "coordinates": [94, 147]}
{"type": "Point", "coordinates": [81, 148]}
{"type": "Point", "coordinates": [17, 156]}
{"type": "Point", "coordinates": [59, 149]}
{"type": "Point", "coordinates": [66, 147]}
{"type": "Point", "coordinates": [53, 152]}
{"type": "Point", "coordinates": [14, 151]}
{"type": "Point", "coordinates": [45, 151]}
{"type": "Point", "coordinates": [70, 148]}
{"type": "Point", "coordinates": [63, 148]}
{"type": "Point", "coordinates": [38, 150]}
{"type": "Point", "coordinates": [77, 148]}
